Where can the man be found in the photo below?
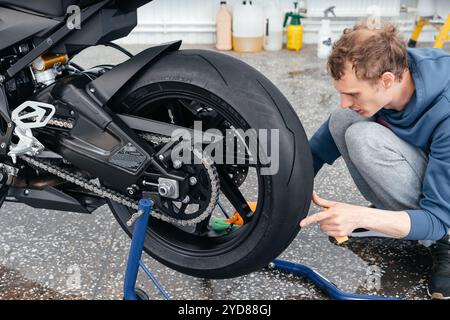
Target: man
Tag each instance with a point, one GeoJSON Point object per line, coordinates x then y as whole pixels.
{"type": "Point", "coordinates": [393, 131]}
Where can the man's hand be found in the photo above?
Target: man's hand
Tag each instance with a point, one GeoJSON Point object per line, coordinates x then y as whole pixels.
{"type": "Point", "coordinates": [338, 219]}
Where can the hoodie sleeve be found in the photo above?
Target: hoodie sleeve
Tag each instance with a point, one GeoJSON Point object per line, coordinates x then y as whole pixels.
{"type": "Point", "coordinates": [323, 148]}
{"type": "Point", "coordinates": [432, 220]}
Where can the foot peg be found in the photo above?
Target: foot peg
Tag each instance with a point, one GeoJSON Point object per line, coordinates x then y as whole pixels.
{"type": "Point", "coordinates": [29, 115]}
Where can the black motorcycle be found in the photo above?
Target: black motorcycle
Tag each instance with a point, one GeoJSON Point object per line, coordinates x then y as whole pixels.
{"type": "Point", "coordinates": [73, 139]}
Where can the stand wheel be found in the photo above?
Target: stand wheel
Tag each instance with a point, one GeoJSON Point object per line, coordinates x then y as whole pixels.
{"type": "Point", "coordinates": [141, 294]}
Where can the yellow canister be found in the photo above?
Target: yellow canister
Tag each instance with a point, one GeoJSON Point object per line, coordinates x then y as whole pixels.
{"type": "Point", "coordinates": [294, 37]}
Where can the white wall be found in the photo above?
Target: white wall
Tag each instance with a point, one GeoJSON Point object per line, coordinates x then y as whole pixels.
{"type": "Point", "coordinates": [193, 21]}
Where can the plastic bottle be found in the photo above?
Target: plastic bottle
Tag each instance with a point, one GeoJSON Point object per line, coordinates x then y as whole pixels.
{"type": "Point", "coordinates": [294, 33]}
{"type": "Point", "coordinates": [248, 27]}
{"type": "Point", "coordinates": [325, 37]}
{"type": "Point", "coordinates": [274, 26]}
{"type": "Point", "coordinates": [223, 28]}
{"type": "Point", "coordinates": [324, 40]}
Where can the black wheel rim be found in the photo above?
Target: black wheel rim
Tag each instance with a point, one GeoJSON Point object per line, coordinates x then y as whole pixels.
{"type": "Point", "coordinates": [148, 102]}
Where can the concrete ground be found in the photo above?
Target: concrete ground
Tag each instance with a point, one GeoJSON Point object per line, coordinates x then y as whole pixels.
{"type": "Point", "coordinates": [55, 255]}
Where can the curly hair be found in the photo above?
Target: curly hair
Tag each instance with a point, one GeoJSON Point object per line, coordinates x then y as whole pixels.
{"type": "Point", "coordinates": [370, 51]}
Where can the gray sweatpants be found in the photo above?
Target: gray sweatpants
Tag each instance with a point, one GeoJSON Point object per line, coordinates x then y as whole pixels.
{"type": "Point", "coordinates": [387, 170]}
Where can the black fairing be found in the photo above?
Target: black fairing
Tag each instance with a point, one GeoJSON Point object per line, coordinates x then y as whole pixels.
{"type": "Point", "coordinates": [107, 25]}
{"type": "Point", "coordinates": [47, 7]}
{"type": "Point", "coordinates": [17, 26]}
{"type": "Point", "coordinates": [58, 8]}
{"type": "Point", "coordinates": [37, 20]}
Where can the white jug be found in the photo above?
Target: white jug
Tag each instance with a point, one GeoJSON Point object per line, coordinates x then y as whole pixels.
{"type": "Point", "coordinates": [273, 35]}
{"type": "Point", "coordinates": [248, 27]}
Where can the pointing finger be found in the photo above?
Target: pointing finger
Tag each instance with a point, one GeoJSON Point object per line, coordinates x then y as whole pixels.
{"type": "Point", "coordinates": [322, 202]}
{"type": "Point", "coordinates": [314, 218]}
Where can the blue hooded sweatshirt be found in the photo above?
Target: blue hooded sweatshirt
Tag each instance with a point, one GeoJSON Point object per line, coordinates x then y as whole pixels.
{"type": "Point", "coordinates": [424, 123]}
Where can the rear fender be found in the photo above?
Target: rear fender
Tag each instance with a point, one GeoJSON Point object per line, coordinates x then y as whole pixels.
{"type": "Point", "coordinates": [108, 85]}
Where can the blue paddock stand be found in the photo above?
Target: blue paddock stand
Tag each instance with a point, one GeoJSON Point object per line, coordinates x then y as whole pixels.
{"type": "Point", "coordinates": [140, 220]}
{"type": "Point", "coordinates": [329, 288]}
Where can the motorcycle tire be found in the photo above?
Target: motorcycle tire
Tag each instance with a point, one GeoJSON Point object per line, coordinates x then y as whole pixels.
{"type": "Point", "coordinates": [249, 100]}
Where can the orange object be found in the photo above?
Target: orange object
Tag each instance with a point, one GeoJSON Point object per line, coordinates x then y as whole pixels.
{"type": "Point", "coordinates": [237, 219]}
{"type": "Point", "coordinates": [46, 61]}
{"type": "Point", "coordinates": [340, 240]}
{"type": "Point", "coordinates": [252, 205]}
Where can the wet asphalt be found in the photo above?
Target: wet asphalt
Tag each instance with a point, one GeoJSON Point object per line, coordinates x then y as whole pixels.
{"type": "Point", "coordinates": [48, 254]}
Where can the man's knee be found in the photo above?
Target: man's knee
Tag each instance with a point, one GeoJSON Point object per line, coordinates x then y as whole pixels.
{"type": "Point", "coordinates": [340, 121]}
{"type": "Point", "coordinates": [364, 139]}
{"type": "Point", "coordinates": [392, 171]}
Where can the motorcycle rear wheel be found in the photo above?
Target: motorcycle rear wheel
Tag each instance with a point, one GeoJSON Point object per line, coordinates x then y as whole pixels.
{"type": "Point", "coordinates": [244, 98]}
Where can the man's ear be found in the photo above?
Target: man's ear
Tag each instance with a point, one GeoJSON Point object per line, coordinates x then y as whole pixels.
{"type": "Point", "coordinates": [387, 80]}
